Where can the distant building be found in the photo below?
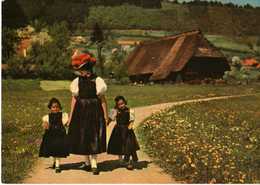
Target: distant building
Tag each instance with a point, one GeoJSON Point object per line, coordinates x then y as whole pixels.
{"type": "Point", "coordinates": [185, 56]}
{"type": "Point", "coordinates": [23, 46]}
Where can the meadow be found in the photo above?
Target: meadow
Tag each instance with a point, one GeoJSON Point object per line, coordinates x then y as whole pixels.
{"type": "Point", "coordinates": [207, 142]}
{"type": "Point", "coordinates": [24, 102]}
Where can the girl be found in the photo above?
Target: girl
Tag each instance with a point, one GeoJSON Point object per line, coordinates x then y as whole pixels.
{"type": "Point", "coordinates": [123, 140]}
{"type": "Point", "coordinates": [87, 130]}
{"type": "Point", "coordinates": [54, 139]}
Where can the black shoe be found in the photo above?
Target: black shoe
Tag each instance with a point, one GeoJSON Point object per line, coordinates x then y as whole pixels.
{"type": "Point", "coordinates": [95, 171]}
{"type": "Point", "coordinates": [122, 163]}
{"type": "Point", "coordinates": [85, 167]}
{"type": "Point", "coordinates": [130, 165]}
{"type": "Point", "coordinates": [53, 165]}
{"type": "Point", "coordinates": [57, 170]}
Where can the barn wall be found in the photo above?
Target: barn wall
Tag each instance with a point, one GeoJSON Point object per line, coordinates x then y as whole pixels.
{"type": "Point", "coordinates": [200, 68]}
{"type": "Point", "coordinates": [144, 78]}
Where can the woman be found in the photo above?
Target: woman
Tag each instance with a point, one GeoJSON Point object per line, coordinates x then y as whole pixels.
{"type": "Point", "coordinates": [87, 130]}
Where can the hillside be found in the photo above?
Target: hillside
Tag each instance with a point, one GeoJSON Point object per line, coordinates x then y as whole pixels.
{"type": "Point", "coordinates": [82, 14]}
{"type": "Point", "coordinates": [220, 20]}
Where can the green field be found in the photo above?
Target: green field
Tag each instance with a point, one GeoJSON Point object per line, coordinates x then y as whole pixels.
{"type": "Point", "coordinates": [207, 142]}
{"type": "Point", "coordinates": [229, 45]}
{"type": "Point", "coordinates": [24, 103]}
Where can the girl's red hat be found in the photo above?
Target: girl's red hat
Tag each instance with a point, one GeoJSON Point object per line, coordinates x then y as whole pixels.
{"type": "Point", "coordinates": [80, 60]}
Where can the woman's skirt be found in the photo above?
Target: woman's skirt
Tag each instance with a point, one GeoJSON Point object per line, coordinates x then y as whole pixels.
{"type": "Point", "coordinates": [54, 143]}
{"type": "Point", "coordinates": [122, 141]}
{"type": "Point", "coordinates": [87, 130]}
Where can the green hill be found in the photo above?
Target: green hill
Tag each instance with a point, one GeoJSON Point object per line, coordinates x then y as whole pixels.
{"type": "Point", "coordinates": [220, 20]}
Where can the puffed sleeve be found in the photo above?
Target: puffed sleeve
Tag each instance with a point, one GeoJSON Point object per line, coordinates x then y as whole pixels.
{"type": "Point", "coordinates": [132, 115]}
{"type": "Point", "coordinates": [112, 114]}
{"type": "Point", "coordinates": [101, 86]}
{"type": "Point", "coordinates": [65, 118]}
{"type": "Point", "coordinates": [45, 118]}
{"type": "Point", "coordinates": [74, 87]}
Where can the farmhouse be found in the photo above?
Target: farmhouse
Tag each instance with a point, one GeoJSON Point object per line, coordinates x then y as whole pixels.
{"type": "Point", "coordinates": [186, 56]}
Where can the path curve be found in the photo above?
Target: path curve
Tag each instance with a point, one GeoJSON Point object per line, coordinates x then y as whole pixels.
{"type": "Point", "coordinates": [147, 171]}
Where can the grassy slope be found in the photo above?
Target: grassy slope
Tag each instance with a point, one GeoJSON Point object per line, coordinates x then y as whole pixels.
{"type": "Point", "coordinates": [224, 22]}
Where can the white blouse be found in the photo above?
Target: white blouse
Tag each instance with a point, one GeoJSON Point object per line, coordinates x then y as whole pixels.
{"type": "Point", "coordinates": [113, 113]}
{"type": "Point", "coordinates": [65, 118]}
{"type": "Point", "coordinates": [101, 86]}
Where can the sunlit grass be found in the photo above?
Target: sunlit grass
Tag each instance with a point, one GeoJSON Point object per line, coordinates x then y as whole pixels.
{"type": "Point", "coordinates": [216, 141]}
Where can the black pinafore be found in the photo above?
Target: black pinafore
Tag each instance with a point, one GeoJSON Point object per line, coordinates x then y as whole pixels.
{"type": "Point", "coordinates": [122, 141]}
{"type": "Point", "coordinates": [87, 131]}
{"type": "Point", "coordinates": [54, 142]}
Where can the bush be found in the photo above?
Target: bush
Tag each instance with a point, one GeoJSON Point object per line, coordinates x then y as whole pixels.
{"type": "Point", "coordinates": [115, 66]}
{"type": "Point", "coordinates": [10, 40]}
{"type": "Point", "coordinates": [240, 73]}
{"type": "Point", "coordinates": [20, 67]}
{"type": "Point", "coordinates": [50, 60]}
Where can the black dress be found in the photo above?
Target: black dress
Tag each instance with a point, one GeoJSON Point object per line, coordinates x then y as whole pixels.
{"type": "Point", "coordinates": [54, 142]}
{"type": "Point", "coordinates": [123, 140]}
{"type": "Point", "coordinates": [87, 131]}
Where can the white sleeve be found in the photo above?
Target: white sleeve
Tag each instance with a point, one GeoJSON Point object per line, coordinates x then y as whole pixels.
{"type": "Point", "coordinates": [45, 118]}
{"type": "Point", "coordinates": [112, 114]}
{"type": "Point", "coordinates": [65, 118]}
{"type": "Point", "coordinates": [132, 115]}
{"type": "Point", "coordinates": [74, 87]}
{"type": "Point", "coordinates": [101, 86]}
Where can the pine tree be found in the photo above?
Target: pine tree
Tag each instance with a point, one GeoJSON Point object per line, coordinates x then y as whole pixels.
{"type": "Point", "coordinates": [97, 37]}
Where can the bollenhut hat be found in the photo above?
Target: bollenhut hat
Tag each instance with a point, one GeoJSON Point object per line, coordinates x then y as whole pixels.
{"type": "Point", "coordinates": [86, 60]}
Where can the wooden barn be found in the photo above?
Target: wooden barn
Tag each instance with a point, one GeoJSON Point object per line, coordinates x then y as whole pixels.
{"type": "Point", "coordinates": [186, 56]}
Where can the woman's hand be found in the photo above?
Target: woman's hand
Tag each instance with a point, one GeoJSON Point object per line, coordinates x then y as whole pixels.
{"type": "Point", "coordinates": [45, 125]}
{"type": "Point", "coordinates": [69, 120]}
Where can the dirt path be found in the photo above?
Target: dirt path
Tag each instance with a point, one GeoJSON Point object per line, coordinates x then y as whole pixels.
{"type": "Point", "coordinates": [147, 171]}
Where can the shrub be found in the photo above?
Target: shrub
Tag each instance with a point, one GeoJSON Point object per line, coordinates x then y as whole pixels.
{"type": "Point", "coordinates": [10, 40]}
{"type": "Point", "coordinates": [242, 71]}
{"type": "Point", "coordinates": [50, 60]}
{"type": "Point", "coordinates": [116, 65]}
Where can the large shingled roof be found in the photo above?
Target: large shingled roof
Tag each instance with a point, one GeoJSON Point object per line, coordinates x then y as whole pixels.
{"type": "Point", "coordinates": [169, 54]}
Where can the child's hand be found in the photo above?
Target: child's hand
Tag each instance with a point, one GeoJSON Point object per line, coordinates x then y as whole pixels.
{"type": "Point", "coordinates": [107, 121]}
{"type": "Point", "coordinates": [45, 125]}
{"type": "Point", "coordinates": [131, 126]}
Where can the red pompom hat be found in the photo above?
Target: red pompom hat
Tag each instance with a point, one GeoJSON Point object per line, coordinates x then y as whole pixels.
{"type": "Point", "coordinates": [82, 59]}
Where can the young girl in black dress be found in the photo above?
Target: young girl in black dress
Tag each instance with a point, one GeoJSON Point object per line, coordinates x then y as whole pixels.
{"type": "Point", "coordinates": [54, 139]}
{"type": "Point", "coordinates": [87, 130]}
{"type": "Point", "coordinates": [123, 140]}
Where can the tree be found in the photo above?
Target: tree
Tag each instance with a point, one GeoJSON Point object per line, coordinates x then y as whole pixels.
{"type": "Point", "coordinates": [97, 37]}
{"type": "Point", "coordinates": [10, 40]}
{"type": "Point", "coordinates": [248, 6]}
{"type": "Point", "coordinates": [13, 15]}
{"type": "Point", "coordinates": [60, 34]}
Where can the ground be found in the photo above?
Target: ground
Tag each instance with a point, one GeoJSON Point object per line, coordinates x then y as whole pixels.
{"type": "Point", "coordinates": [146, 172]}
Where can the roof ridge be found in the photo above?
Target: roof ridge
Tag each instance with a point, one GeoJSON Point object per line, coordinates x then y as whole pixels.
{"type": "Point", "coordinates": [168, 37]}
